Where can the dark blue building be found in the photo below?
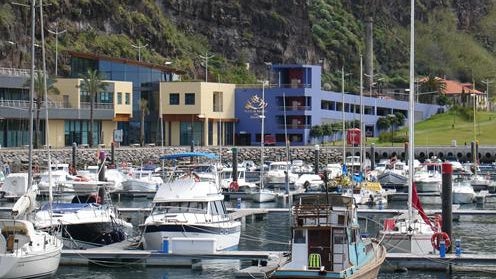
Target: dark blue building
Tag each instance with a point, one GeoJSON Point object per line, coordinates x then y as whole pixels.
{"type": "Point", "coordinates": [295, 90]}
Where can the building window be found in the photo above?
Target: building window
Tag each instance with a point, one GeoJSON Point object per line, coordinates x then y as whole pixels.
{"type": "Point", "coordinates": [128, 99]}
{"type": "Point", "coordinates": [189, 99]}
{"type": "Point", "coordinates": [105, 97]}
{"type": "Point", "coordinates": [119, 98]}
{"type": "Point", "coordinates": [85, 96]}
{"type": "Point", "coordinates": [174, 99]}
{"type": "Point", "coordinates": [218, 101]}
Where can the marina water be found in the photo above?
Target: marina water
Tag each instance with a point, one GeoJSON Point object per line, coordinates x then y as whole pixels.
{"type": "Point", "coordinates": [273, 233]}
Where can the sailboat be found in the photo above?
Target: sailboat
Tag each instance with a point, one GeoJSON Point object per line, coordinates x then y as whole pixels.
{"type": "Point", "coordinates": [262, 194]}
{"type": "Point", "coordinates": [412, 232]}
{"type": "Point", "coordinates": [24, 251]}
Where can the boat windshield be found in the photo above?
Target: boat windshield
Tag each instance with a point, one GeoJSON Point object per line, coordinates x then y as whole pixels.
{"type": "Point", "coordinates": [181, 207]}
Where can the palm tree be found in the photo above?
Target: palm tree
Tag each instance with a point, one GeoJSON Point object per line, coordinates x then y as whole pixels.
{"type": "Point", "coordinates": [432, 84]}
{"type": "Point", "coordinates": [39, 99]}
{"type": "Point", "coordinates": [92, 84]}
{"type": "Point", "coordinates": [144, 111]}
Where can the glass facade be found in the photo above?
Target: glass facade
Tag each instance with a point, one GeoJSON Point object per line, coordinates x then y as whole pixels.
{"type": "Point", "coordinates": [142, 77]}
{"type": "Point", "coordinates": [14, 132]}
{"type": "Point", "coordinates": [78, 130]}
{"type": "Point", "coordinates": [191, 131]}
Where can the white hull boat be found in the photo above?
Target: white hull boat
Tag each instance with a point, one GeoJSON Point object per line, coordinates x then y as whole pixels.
{"type": "Point", "coordinates": [25, 252]}
{"type": "Point", "coordinates": [187, 210]}
{"type": "Point", "coordinates": [463, 193]}
{"type": "Point", "coordinates": [263, 195]}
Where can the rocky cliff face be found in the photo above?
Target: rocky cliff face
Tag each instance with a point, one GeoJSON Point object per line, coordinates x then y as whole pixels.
{"type": "Point", "coordinates": [253, 30]}
{"type": "Point", "coordinates": [239, 31]}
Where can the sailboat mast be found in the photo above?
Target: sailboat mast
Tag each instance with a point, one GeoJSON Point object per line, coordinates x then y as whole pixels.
{"type": "Point", "coordinates": [45, 93]}
{"type": "Point", "coordinates": [262, 138]}
{"type": "Point", "coordinates": [362, 155]}
{"type": "Point", "coordinates": [287, 143]}
{"type": "Point", "coordinates": [342, 115]}
{"type": "Point", "coordinates": [31, 96]}
{"type": "Point", "coordinates": [411, 110]}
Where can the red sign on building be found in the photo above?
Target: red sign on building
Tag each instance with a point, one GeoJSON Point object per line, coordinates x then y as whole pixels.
{"type": "Point", "coordinates": [353, 136]}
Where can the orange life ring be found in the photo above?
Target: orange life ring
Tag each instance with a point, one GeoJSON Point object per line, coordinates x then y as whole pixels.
{"type": "Point", "coordinates": [436, 239]}
{"type": "Point", "coordinates": [233, 186]}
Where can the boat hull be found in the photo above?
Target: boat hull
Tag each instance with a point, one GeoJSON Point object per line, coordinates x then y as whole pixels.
{"type": "Point", "coordinates": [263, 196]}
{"type": "Point", "coordinates": [463, 198]}
{"type": "Point", "coordinates": [33, 265]}
{"type": "Point", "coordinates": [225, 236]}
{"type": "Point", "coordinates": [368, 271]}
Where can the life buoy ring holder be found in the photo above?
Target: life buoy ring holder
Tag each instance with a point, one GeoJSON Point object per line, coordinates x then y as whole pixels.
{"type": "Point", "coordinates": [437, 237]}
{"type": "Point", "coordinates": [234, 186]}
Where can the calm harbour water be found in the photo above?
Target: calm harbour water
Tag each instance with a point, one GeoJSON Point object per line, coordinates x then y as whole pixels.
{"type": "Point", "coordinates": [273, 233]}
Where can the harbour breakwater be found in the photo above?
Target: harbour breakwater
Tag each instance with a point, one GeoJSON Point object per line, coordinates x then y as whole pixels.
{"type": "Point", "coordinates": [17, 159]}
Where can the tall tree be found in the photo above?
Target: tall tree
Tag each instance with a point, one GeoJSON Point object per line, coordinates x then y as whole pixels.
{"type": "Point", "coordinates": [39, 99]}
{"type": "Point", "coordinates": [316, 131]}
{"type": "Point", "coordinates": [431, 85]}
{"type": "Point", "coordinates": [143, 106]}
{"type": "Point", "coordinates": [93, 84]}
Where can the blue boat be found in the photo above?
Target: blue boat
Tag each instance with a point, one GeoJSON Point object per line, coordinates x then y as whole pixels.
{"type": "Point", "coordinates": [327, 243]}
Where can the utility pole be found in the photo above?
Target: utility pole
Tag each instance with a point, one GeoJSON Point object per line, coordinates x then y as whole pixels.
{"type": "Point", "coordinates": [342, 112]}
{"type": "Point", "coordinates": [139, 47]}
{"type": "Point", "coordinates": [56, 33]}
{"type": "Point", "coordinates": [487, 82]}
{"type": "Point", "coordinates": [206, 57]}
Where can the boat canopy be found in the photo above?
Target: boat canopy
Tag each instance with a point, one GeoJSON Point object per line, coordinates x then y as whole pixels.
{"type": "Point", "coordinates": [189, 155]}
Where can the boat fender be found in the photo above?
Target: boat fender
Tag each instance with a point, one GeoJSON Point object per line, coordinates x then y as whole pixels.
{"type": "Point", "coordinates": [437, 237]}
{"type": "Point", "coordinates": [195, 177]}
{"type": "Point", "coordinates": [233, 186]}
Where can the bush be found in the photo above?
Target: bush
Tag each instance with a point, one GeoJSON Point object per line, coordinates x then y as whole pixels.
{"type": "Point", "coordinates": [386, 137]}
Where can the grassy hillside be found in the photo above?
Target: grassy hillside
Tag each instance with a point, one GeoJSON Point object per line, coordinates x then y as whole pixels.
{"type": "Point", "coordinates": [441, 129]}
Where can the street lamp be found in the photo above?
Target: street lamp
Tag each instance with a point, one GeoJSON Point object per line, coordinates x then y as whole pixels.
{"type": "Point", "coordinates": [317, 149]}
{"type": "Point", "coordinates": [12, 44]}
{"type": "Point", "coordinates": [56, 33]}
{"type": "Point", "coordinates": [139, 47]}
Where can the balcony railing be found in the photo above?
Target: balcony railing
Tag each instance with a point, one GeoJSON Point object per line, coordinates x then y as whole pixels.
{"type": "Point", "coordinates": [295, 108]}
{"type": "Point", "coordinates": [15, 72]}
{"type": "Point", "coordinates": [24, 104]}
{"type": "Point", "coordinates": [86, 105]}
{"type": "Point", "coordinates": [294, 126]}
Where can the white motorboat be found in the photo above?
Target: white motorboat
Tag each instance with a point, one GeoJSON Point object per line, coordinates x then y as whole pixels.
{"type": "Point", "coordinates": [142, 183]}
{"type": "Point", "coordinates": [429, 178]}
{"type": "Point", "coordinates": [263, 195]}
{"type": "Point", "coordinates": [480, 183]}
{"type": "Point", "coordinates": [241, 184]}
{"type": "Point", "coordinates": [309, 182]}
{"type": "Point", "coordinates": [15, 185]}
{"type": "Point", "coordinates": [277, 173]}
{"type": "Point", "coordinates": [189, 215]}
{"type": "Point", "coordinates": [88, 221]}
{"type": "Point", "coordinates": [58, 175]}
{"type": "Point", "coordinates": [369, 193]}
{"type": "Point", "coordinates": [463, 192]}
{"type": "Point", "coordinates": [26, 252]}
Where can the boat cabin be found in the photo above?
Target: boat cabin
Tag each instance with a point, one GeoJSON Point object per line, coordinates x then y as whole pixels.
{"type": "Point", "coordinates": [326, 236]}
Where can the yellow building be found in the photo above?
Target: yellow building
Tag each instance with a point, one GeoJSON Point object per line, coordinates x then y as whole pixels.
{"type": "Point", "coordinates": [197, 113]}
{"type": "Point", "coordinates": [69, 112]}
